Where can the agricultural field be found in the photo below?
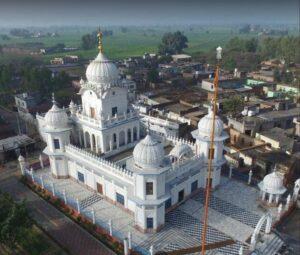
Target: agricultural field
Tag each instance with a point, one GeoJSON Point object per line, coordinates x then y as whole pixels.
{"type": "Point", "coordinates": [135, 41]}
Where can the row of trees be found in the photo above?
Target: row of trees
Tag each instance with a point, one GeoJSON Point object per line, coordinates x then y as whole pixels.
{"type": "Point", "coordinates": [248, 53]}
{"type": "Point", "coordinates": [31, 78]}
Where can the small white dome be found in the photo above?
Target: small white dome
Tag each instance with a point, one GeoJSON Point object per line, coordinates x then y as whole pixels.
{"type": "Point", "coordinates": [205, 125]}
{"type": "Point", "coordinates": [273, 183]}
{"type": "Point", "coordinates": [102, 70]}
{"type": "Point", "coordinates": [56, 118]}
{"type": "Point", "coordinates": [148, 152]}
{"type": "Point", "coordinates": [181, 150]}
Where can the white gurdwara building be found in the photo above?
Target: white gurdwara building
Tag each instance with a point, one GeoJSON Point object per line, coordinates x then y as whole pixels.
{"type": "Point", "coordinates": [98, 145]}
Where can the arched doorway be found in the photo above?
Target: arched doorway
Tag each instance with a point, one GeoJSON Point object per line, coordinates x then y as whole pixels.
{"type": "Point", "coordinates": [94, 142]}
{"type": "Point", "coordinates": [87, 140]}
{"type": "Point", "coordinates": [114, 141]}
{"type": "Point", "coordinates": [122, 138]}
{"type": "Point", "coordinates": [265, 218]}
{"type": "Point", "coordinates": [128, 136]}
{"type": "Point", "coordinates": [134, 134]}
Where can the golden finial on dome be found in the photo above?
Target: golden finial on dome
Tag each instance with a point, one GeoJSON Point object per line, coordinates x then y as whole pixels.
{"type": "Point", "coordinates": [99, 36]}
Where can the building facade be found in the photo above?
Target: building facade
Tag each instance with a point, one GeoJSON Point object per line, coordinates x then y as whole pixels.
{"type": "Point", "coordinates": [97, 144]}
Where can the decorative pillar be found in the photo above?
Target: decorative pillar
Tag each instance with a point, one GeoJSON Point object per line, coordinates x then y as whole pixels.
{"type": "Point", "coordinates": [42, 182]}
{"type": "Point", "coordinates": [53, 189]}
{"type": "Point", "coordinates": [250, 177]}
{"type": "Point", "coordinates": [268, 225]}
{"type": "Point", "coordinates": [126, 250]}
{"type": "Point", "coordinates": [93, 216]}
{"type": "Point", "coordinates": [84, 140]}
{"type": "Point", "coordinates": [277, 199]}
{"type": "Point", "coordinates": [230, 172]}
{"type": "Point", "coordinates": [288, 202]}
{"type": "Point", "coordinates": [97, 146]}
{"type": "Point", "coordinates": [270, 198]}
{"type": "Point", "coordinates": [78, 205]}
{"type": "Point", "coordinates": [91, 143]}
{"type": "Point", "coordinates": [279, 211]}
{"type": "Point", "coordinates": [129, 240]}
{"type": "Point", "coordinates": [151, 250]}
{"type": "Point", "coordinates": [110, 227]}
{"type": "Point", "coordinates": [111, 144]}
{"type": "Point", "coordinates": [65, 196]}
{"type": "Point", "coordinates": [263, 196]}
{"type": "Point", "coordinates": [41, 161]}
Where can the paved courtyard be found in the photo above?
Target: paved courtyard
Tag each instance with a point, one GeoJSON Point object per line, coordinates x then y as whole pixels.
{"type": "Point", "coordinates": [233, 214]}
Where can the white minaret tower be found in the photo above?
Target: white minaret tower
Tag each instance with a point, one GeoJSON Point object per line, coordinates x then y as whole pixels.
{"type": "Point", "coordinates": [57, 137]}
{"type": "Point", "coordinates": [149, 170]}
{"type": "Point", "coordinates": [202, 136]}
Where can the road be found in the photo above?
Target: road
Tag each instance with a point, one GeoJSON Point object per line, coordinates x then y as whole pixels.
{"type": "Point", "coordinates": [63, 230]}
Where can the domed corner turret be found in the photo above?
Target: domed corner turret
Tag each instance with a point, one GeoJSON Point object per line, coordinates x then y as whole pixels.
{"type": "Point", "coordinates": [56, 118]}
{"type": "Point", "coordinates": [148, 153]}
{"type": "Point", "coordinates": [102, 71]}
{"type": "Point", "coordinates": [206, 123]}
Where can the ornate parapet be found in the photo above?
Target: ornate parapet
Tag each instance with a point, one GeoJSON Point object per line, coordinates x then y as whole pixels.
{"type": "Point", "coordinates": [103, 165]}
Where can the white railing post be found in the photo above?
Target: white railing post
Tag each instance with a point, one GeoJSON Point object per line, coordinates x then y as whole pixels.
{"type": "Point", "coordinates": [65, 196]}
{"type": "Point", "coordinates": [42, 182]}
{"type": "Point", "coordinates": [32, 175]}
{"type": "Point", "coordinates": [126, 250]}
{"type": "Point", "coordinates": [22, 164]}
{"type": "Point", "coordinates": [151, 250]}
{"type": "Point", "coordinates": [129, 240]}
{"type": "Point", "coordinates": [110, 227]}
{"type": "Point", "coordinates": [250, 177]}
{"type": "Point", "coordinates": [93, 216]}
{"type": "Point", "coordinates": [53, 189]}
{"type": "Point", "coordinates": [78, 205]}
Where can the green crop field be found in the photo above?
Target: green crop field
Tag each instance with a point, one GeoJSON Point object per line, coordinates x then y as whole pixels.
{"type": "Point", "coordinates": [134, 42]}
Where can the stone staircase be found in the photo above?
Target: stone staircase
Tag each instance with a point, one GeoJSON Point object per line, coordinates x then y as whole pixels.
{"type": "Point", "coordinates": [271, 246]}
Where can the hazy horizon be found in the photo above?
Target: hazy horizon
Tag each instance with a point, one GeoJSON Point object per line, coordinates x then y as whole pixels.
{"type": "Point", "coordinates": [146, 13]}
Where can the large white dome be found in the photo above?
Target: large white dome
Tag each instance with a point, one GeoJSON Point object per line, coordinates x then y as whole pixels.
{"type": "Point", "coordinates": [205, 125]}
{"type": "Point", "coordinates": [148, 152]}
{"type": "Point", "coordinates": [56, 118]}
{"type": "Point", "coordinates": [273, 183]}
{"type": "Point", "coordinates": [102, 70]}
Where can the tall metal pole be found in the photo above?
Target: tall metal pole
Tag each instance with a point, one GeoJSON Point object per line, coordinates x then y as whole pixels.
{"type": "Point", "coordinates": [211, 153]}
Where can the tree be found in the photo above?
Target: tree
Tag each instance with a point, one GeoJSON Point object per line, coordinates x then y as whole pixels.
{"type": "Point", "coordinates": [233, 105]}
{"type": "Point", "coordinates": [173, 43]}
{"type": "Point", "coordinates": [251, 45]}
{"type": "Point", "coordinates": [88, 41]}
{"type": "Point", "coordinates": [14, 221]}
{"type": "Point", "coordinates": [153, 75]}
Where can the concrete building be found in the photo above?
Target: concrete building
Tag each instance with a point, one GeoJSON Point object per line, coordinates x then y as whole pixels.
{"type": "Point", "coordinates": [98, 145]}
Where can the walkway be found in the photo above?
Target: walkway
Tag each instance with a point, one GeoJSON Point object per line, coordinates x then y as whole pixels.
{"type": "Point", "coordinates": [67, 233]}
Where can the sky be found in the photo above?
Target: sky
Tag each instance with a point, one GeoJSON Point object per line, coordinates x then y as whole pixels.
{"type": "Point", "coordinates": [152, 12]}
